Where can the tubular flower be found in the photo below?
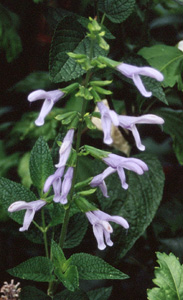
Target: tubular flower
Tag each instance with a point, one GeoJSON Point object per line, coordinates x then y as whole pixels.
{"type": "Point", "coordinates": [31, 208]}
{"type": "Point", "coordinates": [65, 149]}
{"type": "Point", "coordinates": [101, 227]}
{"type": "Point", "coordinates": [134, 73]}
{"type": "Point", "coordinates": [119, 163]}
{"type": "Point", "coordinates": [55, 181]}
{"type": "Point", "coordinates": [99, 180]}
{"type": "Point", "coordinates": [66, 185]}
{"type": "Point", "coordinates": [126, 122]}
{"type": "Point", "coordinates": [50, 97]}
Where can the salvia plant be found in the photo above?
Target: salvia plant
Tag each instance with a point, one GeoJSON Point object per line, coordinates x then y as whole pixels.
{"type": "Point", "coordinates": [118, 194]}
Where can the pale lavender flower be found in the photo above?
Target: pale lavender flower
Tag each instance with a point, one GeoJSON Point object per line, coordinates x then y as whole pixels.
{"type": "Point", "coordinates": [56, 182]}
{"type": "Point", "coordinates": [134, 73]}
{"type": "Point", "coordinates": [98, 180]}
{"type": "Point", "coordinates": [119, 163]}
{"type": "Point", "coordinates": [50, 97]}
{"type": "Point", "coordinates": [66, 185]}
{"type": "Point", "coordinates": [31, 208]}
{"type": "Point", "coordinates": [65, 149]}
{"type": "Point", "coordinates": [101, 227]}
{"type": "Point", "coordinates": [110, 116]}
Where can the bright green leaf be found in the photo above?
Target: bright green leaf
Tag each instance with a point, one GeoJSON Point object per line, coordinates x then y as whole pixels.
{"type": "Point", "coordinates": [169, 279]}
{"type": "Point", "coordinates": [168, 60]}
{"type": "Point", "coordinates": [70, 278]}
{"type": "Point", "coordinates": [93, 268]}
{"type": "Point", "coordinates": [41, 165]}
{"type": "Point", "coordinates": [37, 268]}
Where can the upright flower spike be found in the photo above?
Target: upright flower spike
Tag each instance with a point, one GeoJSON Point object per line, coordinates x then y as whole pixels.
{"type": "Point", "coordinates": [134, 73]}
{"type": "Point", "coordinates": [56, 182]}
{"type": "Point", "coordinates": [50, 97]}
{"type": "Point", "coordinates": [66, 185]}
{"type": "Point", "coordinates": [101, 227]}
{"type": "Point", "coordinates": [65, 149]}
{"type": "Point", "coordinates": [110, 116]}
{"type": "Point", "coordinates": [31, 208]}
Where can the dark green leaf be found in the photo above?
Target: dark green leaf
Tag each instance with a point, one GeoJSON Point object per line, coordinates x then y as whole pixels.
{"type": "Point", "coordinates": [67, 295]}
{"type": "Point", "coordinates": [92, 267]}
{"type": "Point", "coordinates": [141, 202]}
{"type": "Point", "coordinates": [41, 164]}
{"type": "Point", "coordinates": [37, 268]}
{"type": "Point", "coordinates": [174, 126]}
{"type": "Point", "coordinates": [77, 228]}
{"type": "Point", "coordinates": [117, 10]}
{"type": "Point", "coordinates": [34, 81]}
{"type": "Point", "coordinates": [9, 38]}
{"type": "Point", "coordinates": [32, 293]}
{"type": "Point", "coordinates": [10, 192]}
{"type": "Point", "coordinates": [69, 37]}
{"type": "Point", "coordinates": [98, 294]}
{"type": "Point", "coordinates": [169, 279]}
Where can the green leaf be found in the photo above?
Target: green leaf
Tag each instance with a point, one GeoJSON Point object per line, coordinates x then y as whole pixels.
{"type": "Point", "coordinates": [101, 293]}
{"type": "Point", "coordinates": [173, 125]}
{"type": "Point", "coordinates": [168, 60]}
{"type": "Point", "coordinates": [143, 198]}
{"type": "Point", "coordinates": [69, 37]}
{"type": "Point", "coordinates": [41, 165]}
{"type": "Point", "coordinates": [67, 295]}
{"type": "Point", "coordinates": [10, 192]}
{"type": "Point", "coordinates": [155, 87]}
{"type": "Point", "coordinates": [93, 268]}
{"type": "Point", "coordinates": [67, 273]}
{"type": "Point", "coordinates": [9, 38]}
{"type": "Point", "coordinates": [169, 279]}
{"type": "Point", "coordinates": [37, 268]}
{"type": "Point", "coordinates": [32, 293]}
{"type": "Point", "coordinates": [117, 10]}
{"type": "Point", "coordinates": [77, 228]}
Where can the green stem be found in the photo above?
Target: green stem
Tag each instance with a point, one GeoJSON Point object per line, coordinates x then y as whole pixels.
{"type": "Point", "coordinates": [103, 18]}
{"type": "Point", "coordinates": [44, 233]}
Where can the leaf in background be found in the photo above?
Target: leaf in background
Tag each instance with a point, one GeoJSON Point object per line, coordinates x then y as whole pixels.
{"type": "Point", "coordinates": [10, 192]}
{"type": "Point", "coordinates": [92, 268]}
{"type": "Point", "coordinates": [168, 60]}
{"type": "Point", "coordinates": [67, 295]}
{"type": "Point", "coordinates": [32, 293]}
{"type": "Point", "coordinates": [174, 126]}
{"type": "Point", "coordinates": [70, 36]}
{"type": "Point", "coordinates": [23, 170]}
{"type": "Point", "coordinates": [7, 161]}
{"type": "Point", "coordinates": [37, 268]}
{"type": "Point", "coordinates": [41, 164]}
{"type": "Point", "coordinates": [138, 204]}
{"type": "Point", "coordinates": [77, 228]}
{"type": "Point", "coordinates": [169, 279]}
{"type": "Point", "coordinates": [9, 38]}
{"type": "Point", "coordinates": [101, 293]}
{"type": "Point", "coordinates": [34, 81]}
{"type": "Point", "coordinates": [117, 10]}
{"type": "Point", "coordinates": [55, 15]}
